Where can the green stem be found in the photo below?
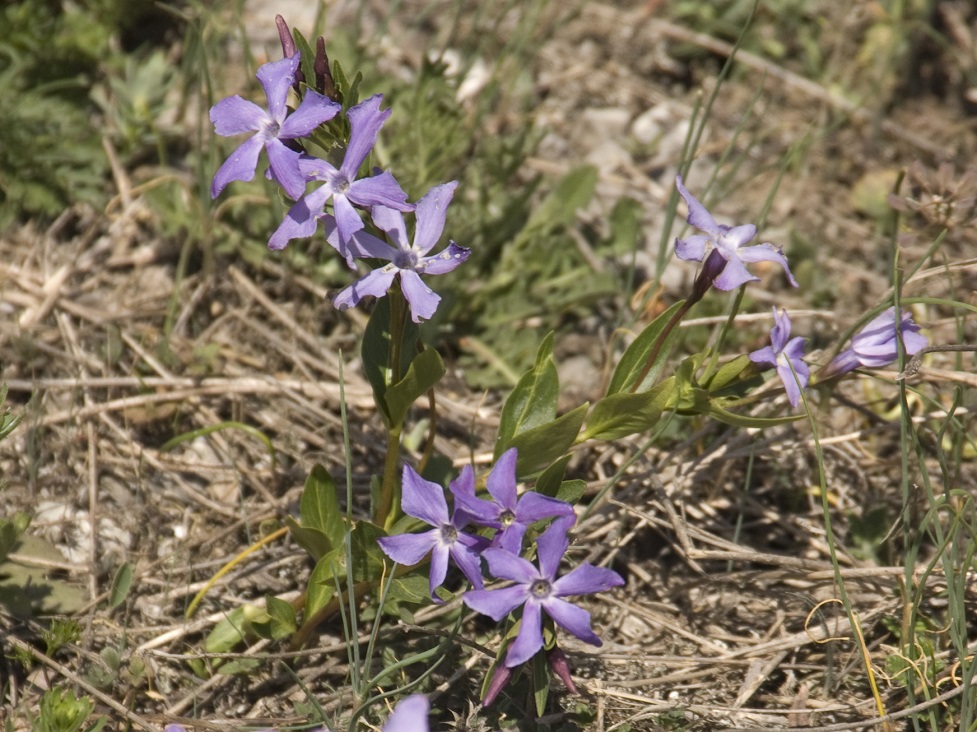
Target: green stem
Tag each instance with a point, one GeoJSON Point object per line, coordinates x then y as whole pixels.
{"type": "Point", "coordinates": [390, 488]}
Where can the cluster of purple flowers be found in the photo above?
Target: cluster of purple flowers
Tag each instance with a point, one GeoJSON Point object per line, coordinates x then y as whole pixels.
{"type": "Point", "coordinates": [722, 250]}
{"type": "Point", "coordinates": [506, 516]}
{"type": "Point", "coordinates": [277, 131]}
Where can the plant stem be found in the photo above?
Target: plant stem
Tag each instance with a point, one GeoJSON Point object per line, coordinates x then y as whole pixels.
{"type": "Point", "coordinates": [390, 488]}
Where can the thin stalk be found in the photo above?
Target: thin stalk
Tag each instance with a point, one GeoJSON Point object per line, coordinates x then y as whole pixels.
{"type": "Point", "coordinates": [385, 514]}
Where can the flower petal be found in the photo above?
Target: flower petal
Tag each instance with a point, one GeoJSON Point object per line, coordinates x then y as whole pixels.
{"type": "Point", "coordinates": [767, 253]}
{"type": "Point", "coordinates": [276, 77]}
{"type": "Point", "coordinates": [408, 549]}
{"type": "Point", "coordinates": [468, 562]}
{"type": "Point", "coordinates": [534, 506]}
{"type": "Point", "coordinates": [423, 499]}
{"type": "Point", "coordinates": [439, 568]}
{"type": "Point", "coordinates": [376, 283]}
{"type": "Point", "coordinates": [312, 112]}
{"type": "Point", "coordinates": [692, 249]}
{"type": "Point", "coordinates": [698, 216]}
{"type": "Point", "coordinates": [444, 262]}
{"type": "Point", "coordinates": [365, 121]}
{"type": "Point", "coordinates": [283, 162]}
{"type": "Point", "coordinates": [573, 619]}
{"type": "Point", "coordinates": [551, 547]}
{"type": "Point", "coordinates": [764, 357]}
{"type": "Point", "coordinates": [430, 213]}
{"type": "Point", "coordinates": [530, 637]}
{"type": "Point", "coordinates": [348, 222]}
{"type": "Point", "coordinates": [585, 580]}
{"type": "Point", "coordinates": [379, 190]}
{"type": "Point", "coordinates": [733, 275]}
{"type": "Point", "coordinates": [422, 299]}
{"type": "Point", "coordinates": [506, 565]}
{"type": "Point", "coordinates": [410, 715]}
{"type": "Point", "coordinates": [501, 481]}
{"type": "Point", "coordinates": [392, 221]}
{"type": "Point", "coordinates": [496, 603]}
{"type": "Point", "coordinates": [300, 221]}
{"type": "Point", "coordinates": [240, 165]}
{"type": "Point", "coordinates": [235, 115]}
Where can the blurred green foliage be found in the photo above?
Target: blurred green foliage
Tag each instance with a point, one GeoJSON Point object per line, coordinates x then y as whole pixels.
{"type": "Point", "coordinates": [67, 80]}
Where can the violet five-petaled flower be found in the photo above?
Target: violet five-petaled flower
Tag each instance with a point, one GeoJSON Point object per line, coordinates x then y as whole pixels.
{"type": "Point", "coordinates": [425, 500]}
{"type": "Point", "coordinates": [410, 715]}
{"type": "Point", "coordinates": [342, 185]}
{"type": "Point", "coordinates": [729, 241]}
{"type": "Point", "coordinates": [784, 353]}
{"type": "Point", "coordinates": [234, 115]}
{"type": "Point", "coordinates": [509, 513]}
{"type": "Point", "coordinates": [406, 259]}
{"type": "Point", "coordinates": [538, 589]}
{"type": "Point", "coordinates": [875, 345]}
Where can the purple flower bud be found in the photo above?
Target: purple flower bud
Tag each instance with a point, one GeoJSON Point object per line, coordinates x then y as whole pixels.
{"type": "Point", "coordinates": [561, 667]}
{"type": "Point", "coordinates": [499, 679]}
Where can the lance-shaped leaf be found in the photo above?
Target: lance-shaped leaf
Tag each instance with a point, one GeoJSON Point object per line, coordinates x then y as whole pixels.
{"type": "Point", "coordinates": [623, 414]}
{"type": "Point", "coordinates": [532, 402]}
{"type": "Point", "coordinates": [636, 356]}
{"type": "Point", "coordinates": [322, 528]}
{"type": "Point", "coordinates": [541, 445]}
{"type": "Point", "coordinates": [376, 353]}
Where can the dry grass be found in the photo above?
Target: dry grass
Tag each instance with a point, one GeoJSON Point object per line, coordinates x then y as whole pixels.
{"type": "Point", "coordinates": [731, 615]}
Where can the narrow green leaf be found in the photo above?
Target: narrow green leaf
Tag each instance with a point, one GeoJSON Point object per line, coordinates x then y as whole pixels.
{"type": "Point", "coordinates": [636, 355]}
{"type": "Point", "coordinates": [424, 372]}
{"type": "Point", "coordinates": [319, 507]}
{"type": "Point", "coordinates": [623, 414]}
{"type": "Point", "coordinates": [328, 574]}
{"type": "Point", "coordinates": [541, 682]}
{"type": "Point", "coordinates": [560, 208]}
{"type": "Point", "coordinates": [533, 401]}
{"type": "Point", "coordinates": [412, 588]}
{"type": "Point", "coordinates": [542, 445]}
{"type": "Point", "coordinates": [121, 583]}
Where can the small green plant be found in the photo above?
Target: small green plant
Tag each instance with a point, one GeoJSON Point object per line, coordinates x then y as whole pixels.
{"type": "Point", "coordinates": [62, 711]}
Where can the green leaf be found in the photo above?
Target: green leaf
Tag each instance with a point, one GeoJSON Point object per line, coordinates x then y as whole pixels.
{"type": "Point", "coordinates": [571, 491]}
{"type": "Point", "coordinates": [10, 532]}
{"type": "Point", "coordinates": [541, 682]}
{"type": "Point", "coordinates": [376, 352]}
{"type": "Point", "coordinates": [424, 372]}
{"type": "Point", "coordinates": [623, 414]}
{"type": "Point", "coordinates": [551, 479]}
{"type": "Point", "coordinates": [532, 402]}
{"type": "Point", "coordinates": [313, 541]}
{"type": "Point", "coordinates": [636, 355]}
{"type": "Point", "coordinates": [560, 208]}
{"type": "Point", "coordinates": [729, 373]}
{"type": "Point", "coordinates": [330, 571]}
{"type": "Point", "coordinates": [227, 634]}
{"type": "Point", "coordinates": [413, 588]}
{"type": "Point", "coordinates": [281, 617]}
{"type": "Point", "coordinates": [541, 445]}
{"type": "Point", "coordinates": [120, 585]}
{"type": "Point", "coordinates": [319, 507]}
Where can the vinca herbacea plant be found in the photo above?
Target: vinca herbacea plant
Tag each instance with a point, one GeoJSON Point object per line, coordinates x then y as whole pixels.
{"type": "Point", "coordinates": [498, 542]}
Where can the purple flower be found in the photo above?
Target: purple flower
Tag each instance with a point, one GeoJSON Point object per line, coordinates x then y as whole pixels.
{"type": "Point", "coordinates": [783, 354]}
{"type": "Point", "coordinates": [874, 345]}
{"type": "Point", "coordinates": [410, 715]}
{"type": "Point", "coordinates": [539, 589]}
{"type": "Point", "coordinates": [508, 512]}
{"type": "Point", "coordinates": [425, 500]}
{"type": "Point", "coordinates": [728, 241]}
{"type": "Point", "coordinates": [341, 185]}
{"type": "Point", "coordinates": [408, 260]}
{"type": "Point", "coordinates": [235, 115]}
